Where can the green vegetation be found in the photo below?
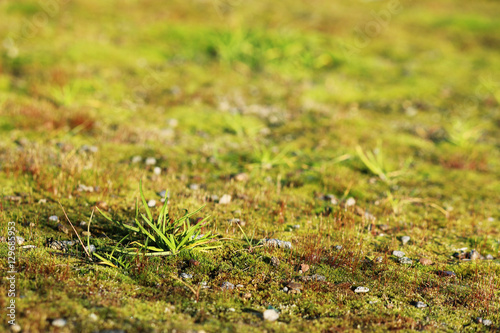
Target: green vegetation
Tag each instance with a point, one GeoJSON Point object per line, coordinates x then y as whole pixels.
{"type": "Point", "coordinates": [339, 127]}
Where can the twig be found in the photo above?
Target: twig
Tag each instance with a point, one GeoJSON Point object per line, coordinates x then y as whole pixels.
{"type": "Point", "coordinates": [67, 218]}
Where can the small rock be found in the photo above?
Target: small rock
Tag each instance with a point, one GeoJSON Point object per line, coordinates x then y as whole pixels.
{"type": "Point", "coordinates": [275, 261]}
{"type": "Point", "coordinates": [157, 171]}
{"type": "Point", "coordinates": [19, 240]}
{"type": "Point", "coordinates": [62, 228]}
{"type": "Point", "coordinates": [474, 255]}
{"type": "Point", "coordinates": [273, 242]}
{"type": "Point", "coordinates": [446, 273]}
{"type": "Point", "coordinates": [487, 322]}
{"type": "Point", "coordinates": [420, 305]}
{"type": "Point", "coordinates": [15, 328]}
{"type": "Point", "coordinates": [383, 227]}
{"type": "Point", "coordinates": [239, 286]}
{"type": "Point", "coordinates": [242, 177]}
{"type": "Point", "coordinates": [194, 187]}
{"type": "Point", "coordinates": [193, 262]}
{"type": "Point", "coordinates": [405, 261]}
{"type": "Point", "coordinates": [164, 194]}
{"type": "Point", "coordinates": [399, 254]}
{"type": "Point", "coordinates": [350, 202]}
{"type": "Point", "coordinates": [270, 315]}
{"type": "Point", "coordinates": [53, 218]}
{"type": "Point", "coordinates": [102, 205]}
{"type": "Point", "coordinates": [83, 223]}
{"type": "Point", "coordinates": [151, 203]}
{"type": "Point", "coordinates": [186, 276]}
{"type": "Point", "coordinates": [28, 247]}
{"type": "Point", "coordinates": [294, 287]}
{"type": "Point", "coordinates": [226, 198]}
{"type": "Point", "coordinates": [361, 290]}
{"type": "Point", "coordinates": [304, 268]}
{"type": "Point", "coordinates": [489, 257]}
{"type": "Point", "coordinates": [405, 239]}
{"type": "Point", "coordinates": [338, 247]}
{"type": "Point", "coordinates": [42, 201]}
{"type": "Point", "coordinates": [150, 161]}
{"type": "Point", "coordinates": [231, 309]}
{"type": "Point", "coordinates": [237, 221]}
{"type": "Point", "coordinates": [285, 289]}
{"type": "Point", "coordinates": [90, 249]}
{"type": "Point", "coordinates": [93, 317]}
{"type": "Point", "coordinates": [425, 261]}
{"type": "Point", "coordinates": [136, 159]}
{"type": "Point", "coordinates": [60, 322]}
{"type": "Point", "coordinates": [227, 285]}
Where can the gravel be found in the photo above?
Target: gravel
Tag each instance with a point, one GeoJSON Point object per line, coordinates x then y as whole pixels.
{"type": "Point", "coordinates": [273, 242]}
{"type": "Point", "coordinates": [226, 198]}
{"type": "Point", "coordinates": [227, 285]}
{"type": "Point", "coordinates": [399, 254]}
{"type": "Point", "coordinates": [405, 261]}
{"type": "Point", "coordinates": [270, 315]}
{"type": "Point", "coordinates": [420, 305]}
{"type": "Point", "coordinates": [60, 322]}
{"type": "Point", "coordinates": [361, 290]}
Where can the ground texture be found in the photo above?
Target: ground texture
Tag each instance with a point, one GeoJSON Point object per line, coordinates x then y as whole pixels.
{"type": "Point", "coordinates": [339, 127]}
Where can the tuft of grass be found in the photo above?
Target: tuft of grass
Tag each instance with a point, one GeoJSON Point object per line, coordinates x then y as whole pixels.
{"type": "Point", "coordinates": [164, 236]}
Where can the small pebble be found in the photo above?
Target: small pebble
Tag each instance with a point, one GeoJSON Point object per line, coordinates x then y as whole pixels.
{"type": "Point", "coordinates": [151, 203]}
{"type": "Point", "coordinates": [425, 261]}
{"type": "Point", "coordinates": [62, 228]}
{"type": "Point", "coordinates": [304, 268]}
{"type": "Point", "coordinates": [270, 315]}
{"type": "Point", "coordinates": [399, 254]}
{"type": "Point", "coordinates": [405, 239]}
{"type": "Point", "coordinates": [226, 198]}
{"type": "Point", "coordinates": [93, 317]}
{"type": "Point", "coordinates": [474, 255]}
{"type": "Point", "coordinates": [420, 305]}
{"type": "Point", "coordinates": [136, 159]}
{"type": "Point", "coordinates": [231, 309]}
{"type": "Point", "coordinates": [59, 322]}
{"type": "Point", "coordinates": [487, 322]}
{"type": "Point", "coordinates": [275, 261]}
{"type": "Point", "coordinates": [239, 286]}
{"type": "Point", "coordinates": [489, 257]}
{"type": "Point", "coordinates": [446, 273]}
{"type": "Point", "coordinates": [186, 276]}
{"type": "Point", "coordinates": [194, 187]}
{"type": "Point", "coordinates": [273, 242]}
{"type": "Point", "coordinates": [338, 247]}
{"type": "Point", "coordinates": [53, 218]}
{"type": "Point", "coordinates": [405, 261]}
{"type": "Point", "coordinates": [227, 285]}
{"type": "Point", "coordinates": [150, 161]}
{"type": "Point", "coordinates": [285, 289]}
{"type": "Point", "coordinates": [350, 202]}
{"type": "Point", "coordinates": [91, 248]}
{"type": "Point", "coordinates": [242, 177]}
{"type": "Point", "coordinates": [157, 171]}
{"type": "Point", "coordinates": [361, 290]}
{"type": "Point", "coordinates": [15, 328]}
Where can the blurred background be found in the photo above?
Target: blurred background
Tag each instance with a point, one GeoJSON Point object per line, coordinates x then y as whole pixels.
{"type": "Point", "coordinates": [299, 90]}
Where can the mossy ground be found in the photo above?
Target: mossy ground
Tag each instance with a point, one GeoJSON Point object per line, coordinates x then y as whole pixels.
{"type": "Point", "coordinates": [283, 91]}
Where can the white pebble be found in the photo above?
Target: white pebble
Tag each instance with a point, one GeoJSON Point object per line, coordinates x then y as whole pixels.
{"type": "Point", "coordinates": [399, 254]}
{"type": "Point", "coordinates": [150, 161]}
{"type": "Point", "coordinates": [136, 159]}
{"type": "Point", "coordinates": [350, 202]}
{"type": "Point", "coordinates": [226, 198]}
{"type": "Point", "coordinates": [59, 322]}
{"type": "Point", "coordinates": [151, 203]}
{"type": "Point", "coordinates": [157, 171]}
{"type": "Point", "coordinates": [361, 290]}
{"type": "Point", "coordinates": [271, 315]}
{"type": "Point", "coordinates": [53, 218]}
{"type": "Point", "coordinates": [487, 322]}
{"type": "Point", "coordinates": [405, 239]}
